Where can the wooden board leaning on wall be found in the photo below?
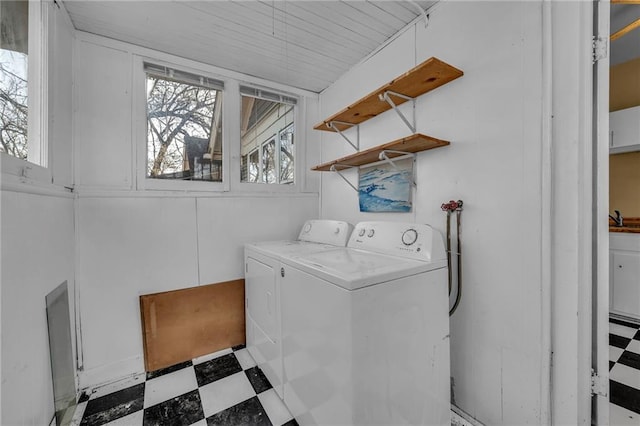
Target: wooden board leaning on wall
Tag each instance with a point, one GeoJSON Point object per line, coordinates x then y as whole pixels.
{"type": "Point", "coordinates": [180, 325]}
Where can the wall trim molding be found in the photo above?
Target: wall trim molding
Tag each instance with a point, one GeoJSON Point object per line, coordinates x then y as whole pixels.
{"type": "Point", "coordinates": [102, 193]}
{"type": "Point", "coordinates": [111, 374]}
{"type": "Point", "coordinates": [28, 186]}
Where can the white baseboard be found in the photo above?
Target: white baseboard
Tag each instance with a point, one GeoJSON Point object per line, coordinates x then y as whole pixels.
{"type": "Point", "coordinates": [623, 317]}
{"type": "Point", "coordinates": [110, 373]}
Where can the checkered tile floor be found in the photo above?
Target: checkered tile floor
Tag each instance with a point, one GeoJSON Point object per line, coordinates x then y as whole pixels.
{"type": "Point", "coordinates": [624, 372]}
{"type": "Point", "coordinates": [224, 388]}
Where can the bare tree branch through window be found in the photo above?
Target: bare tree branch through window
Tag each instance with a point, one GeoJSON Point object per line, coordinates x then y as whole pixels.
{"type": "Point", "coordinates": [183, 137]}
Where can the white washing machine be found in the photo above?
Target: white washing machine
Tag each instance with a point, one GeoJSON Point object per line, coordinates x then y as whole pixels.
{"type": "Point", "coordinates": [365, 329]}
{"type": "Point", "coordinates": [262, 289]}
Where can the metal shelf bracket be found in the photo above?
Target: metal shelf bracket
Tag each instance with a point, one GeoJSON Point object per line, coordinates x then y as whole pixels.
{"type": "Point", "coordinates": [339, 172]}
{"type": "Point", "coordinates": [332, 125]}
{"type": "Point", "coordinates": [386, 98]}
{"type": "Point", "coordinates": [384, 157]}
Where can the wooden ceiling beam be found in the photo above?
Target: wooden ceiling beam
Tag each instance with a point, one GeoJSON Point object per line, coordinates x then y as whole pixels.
{"type": "Point", "coordinates": [625, 1]}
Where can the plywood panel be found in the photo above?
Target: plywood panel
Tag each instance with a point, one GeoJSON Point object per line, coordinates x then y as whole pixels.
{"type": "Point", "coordinates": [183, 324]}
{"type": "Point", "coordinates": [624, 85]}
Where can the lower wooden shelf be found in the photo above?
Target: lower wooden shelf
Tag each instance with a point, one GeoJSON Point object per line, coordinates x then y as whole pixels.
{"type": "Point", "coordinates": [411, 144]}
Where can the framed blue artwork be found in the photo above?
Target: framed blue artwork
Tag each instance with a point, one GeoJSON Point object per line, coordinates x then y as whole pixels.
{"type": "Point", "coordinates": [385, 188]}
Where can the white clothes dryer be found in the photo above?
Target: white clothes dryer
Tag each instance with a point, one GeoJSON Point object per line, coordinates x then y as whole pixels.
{"type": "Point", "coordinates": [365, 329]}
{"type": "Point", "coordinates": [262, 289]}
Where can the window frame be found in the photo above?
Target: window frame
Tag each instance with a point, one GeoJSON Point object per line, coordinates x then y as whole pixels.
{"type": "Point", "coordinates": [298, 116]}
{"type": "Point", "coordinates": [37, 166]}
{"type": "Point", "coordinates": [140, 139]}
{"type": "Point", "coordinates": [231, 116]}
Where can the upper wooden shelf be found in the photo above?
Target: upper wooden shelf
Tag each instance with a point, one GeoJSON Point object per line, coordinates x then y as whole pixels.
{"type": "Point", "coordinates": [411, 144]}
{"type": "Point", "coordinates": [421, 79]}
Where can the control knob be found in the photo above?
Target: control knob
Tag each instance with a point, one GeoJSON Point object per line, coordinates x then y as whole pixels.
{"type": "Point", "coordinates": [409, 237]}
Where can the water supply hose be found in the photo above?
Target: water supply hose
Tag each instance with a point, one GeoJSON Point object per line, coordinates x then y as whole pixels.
{"type": "Point", "coordinates": [450, 272]}
{"type": "Point", "coordinates": [450, 207]}
{"type": "Point", "coordinates": [459, 247]}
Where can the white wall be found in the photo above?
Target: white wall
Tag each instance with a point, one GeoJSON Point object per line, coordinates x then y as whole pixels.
{"type": "Point", "coordinates": [37, 242]}
{"type": "Point", "coordinates": [132, 241]}
{"type": "Point", "coordinates": [492, 116]}
{"type": "Point", "coordinates": [37, 255]}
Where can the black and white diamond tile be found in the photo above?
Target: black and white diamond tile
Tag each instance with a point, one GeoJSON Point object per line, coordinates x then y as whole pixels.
{"type": "Point", "coordinates": [103, 409]}
{"type": "Point", "coordinates": [224, 388]}
{"type": "Point", "coordinates": [624, 372]}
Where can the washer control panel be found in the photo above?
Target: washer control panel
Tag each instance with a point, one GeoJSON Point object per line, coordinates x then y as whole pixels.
{"type": "Point", "coordinates": [412, 240]}
{"type": "Point", "coordinates": [335, 232]}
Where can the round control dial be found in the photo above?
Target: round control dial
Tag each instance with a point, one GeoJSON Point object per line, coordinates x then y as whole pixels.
{"type": "Point", "coordinates": [306, 228]}
{"type": "Point", "coordinates": [361, 232]}
{"type": "Point", "coordinates": [409, 237]}
{"type": "Point", "coordinates": [371, 233]}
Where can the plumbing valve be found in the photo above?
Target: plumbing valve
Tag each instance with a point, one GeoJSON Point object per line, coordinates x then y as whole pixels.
{"type": "Point", "coordinates": [452, 206]}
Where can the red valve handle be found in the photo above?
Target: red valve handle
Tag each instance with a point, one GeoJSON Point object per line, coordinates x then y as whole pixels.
{"type": "Point", "coordinates": [451, 206]}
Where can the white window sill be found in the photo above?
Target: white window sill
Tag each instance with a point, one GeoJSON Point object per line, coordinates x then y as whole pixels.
{"type": "Point", "coordinates": [24, 169]}
{"type": "Point", "coordinates": [95, 192]}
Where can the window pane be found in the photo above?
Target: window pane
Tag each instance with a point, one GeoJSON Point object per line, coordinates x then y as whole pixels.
{"type": "Point", "coordinates": [244, 167]}
{"type": "Point", "coordinates": [269, 162]}
{"type": "Point", "coordinates": [14, 41]}
{"type": "Point", "coordinates": [267, 131]}
{"type": "Point", "coordinates": [184, 131]}
{"type": "Point", "coordinates": [254, 166]}
{"type": "Point", "coordinates": [286, 155]}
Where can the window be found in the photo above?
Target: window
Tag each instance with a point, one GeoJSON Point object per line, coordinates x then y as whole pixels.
{"type": "Point", "coordinates": [20, 80]}
{"type": "Point", "coordinates": [184, 125]}
{"type": "Point", "coordinates": [267, 137]}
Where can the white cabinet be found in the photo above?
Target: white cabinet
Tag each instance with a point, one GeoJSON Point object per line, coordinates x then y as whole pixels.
{"type": "Point", "coordinates": [624, 130]}
{"type": "Point", "coordinates": [624, 274]}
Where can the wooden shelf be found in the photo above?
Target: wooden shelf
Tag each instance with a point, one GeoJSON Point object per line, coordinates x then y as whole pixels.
{"type": "Point", "coordinates": [423, 78]}
{"type": "Point", "coordinates": [411, 144]}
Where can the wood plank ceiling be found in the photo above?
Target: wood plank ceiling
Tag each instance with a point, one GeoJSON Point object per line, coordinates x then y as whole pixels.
{"type": "Point", "coordinates": [304, 44]}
